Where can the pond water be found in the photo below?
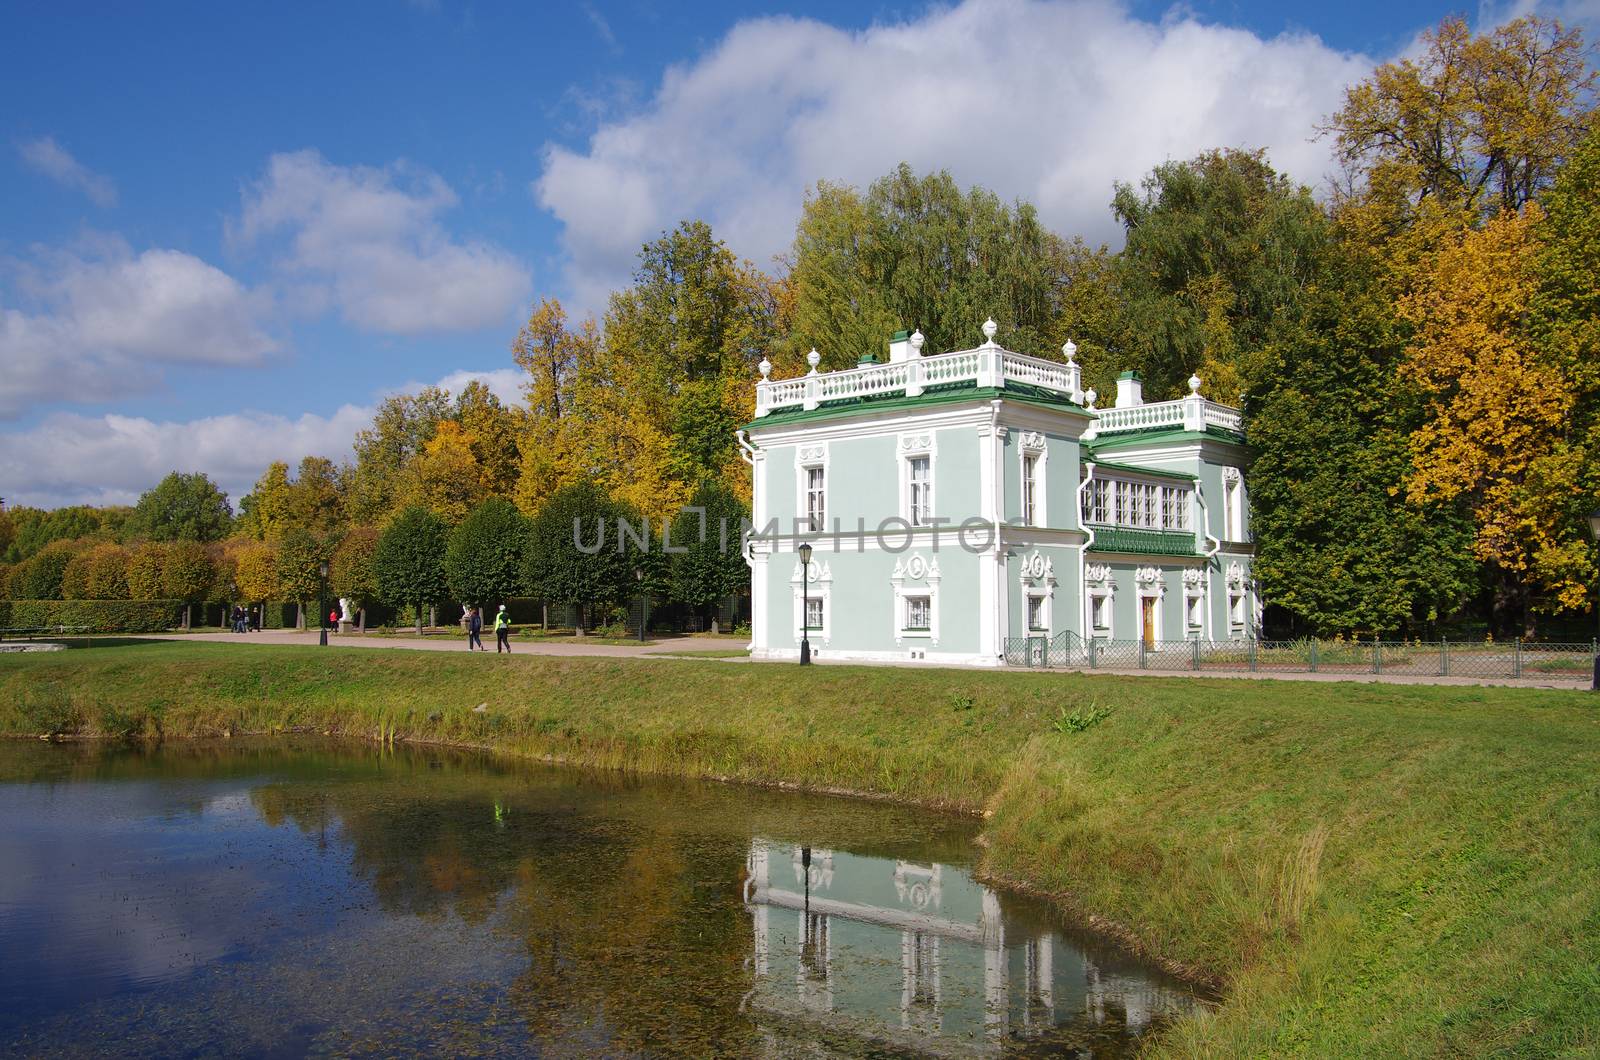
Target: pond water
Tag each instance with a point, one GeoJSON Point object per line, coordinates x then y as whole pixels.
{"type": "Point", "coordinates": [299, 896]}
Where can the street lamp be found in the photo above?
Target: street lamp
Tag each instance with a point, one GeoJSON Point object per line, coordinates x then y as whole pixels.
{"type": "Point", "coordinates": [1594, 532]}
{"type": "Point", "coordinates": [805, 603]}
{"type": "Point", "coordinates": [322, 600]}
{"type": "Point", "coordinates": [644, 602]}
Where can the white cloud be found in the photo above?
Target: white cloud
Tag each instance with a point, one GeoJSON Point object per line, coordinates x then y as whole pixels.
{"type": "Point", "coordinates": [368, 242]}
{"type": "Point", "coordinates": [1047, 100]}
{"type": "Point", "coordinates": [74, 459]}
{"type": "Point", "coordinates": [56, 162]}
{"type": "Point", "coordinates": [102, 321]}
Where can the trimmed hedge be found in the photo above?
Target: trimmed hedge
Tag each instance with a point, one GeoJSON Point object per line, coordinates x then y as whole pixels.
{"type": "Point", "coordinates": [100, 616]}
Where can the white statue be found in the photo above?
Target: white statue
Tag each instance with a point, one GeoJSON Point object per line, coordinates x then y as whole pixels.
{"type": "Point", "coordinates": [344, 609]}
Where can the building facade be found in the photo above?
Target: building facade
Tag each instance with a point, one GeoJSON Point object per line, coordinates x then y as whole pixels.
{"type": "Point", "coordinates": [976, 506]}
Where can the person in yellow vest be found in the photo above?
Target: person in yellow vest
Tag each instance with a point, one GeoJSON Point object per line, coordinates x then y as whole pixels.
{"type": "Point", "coordinates": [502, 631]}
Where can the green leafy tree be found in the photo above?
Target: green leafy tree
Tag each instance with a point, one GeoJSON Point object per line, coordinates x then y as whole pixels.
{"type": "Point", "coordinates": [34, 528]}
{"type": "Point", "coordinates": [712, 567]}
{"type": "Point", "coordinates": [40, 577]}
{"type": "Point", "coordinates": [573, 555]}
{"type": "Point", "coordinates": [256, 573]}
{"type": "Point", "coordinates": [299, 562]}
{"type": "Point", "coordinates": [917, 252]}
{"type": "Point", "coordinates": [484, 560]}
{"type": "Point", "coordinates": [188, 574]}
{"type": "Point", "coordinates": [352, 574]}
{"type": "Point", "coordinates": [1339, 548]}
{"type": "Point", "coordinates": [8, 529]}
{"type": "Point", "coordinates": [108, 573]}
{"type": "Point", "coordinates": [182, 507]}
{"type": "Point", "coordinates": [75, 577]}
{"type": "Point", "coordinates": [403, 425]}
{"type": "Point", "coordinates": [409, 560]}
{"type": "Point", "coordinates": [144, 572]}
{"type": "Point", "coordinates": [1217, 248]}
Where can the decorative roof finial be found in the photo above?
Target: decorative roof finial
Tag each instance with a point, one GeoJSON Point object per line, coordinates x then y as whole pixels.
{"type": "Point", "coordinates": [1089, 398]}
{"type": "Point", "coordinates": [1070, 349]}
{"type": "Point", "coordinates": [1194, 385]}
{"type": "Point", "coordinates": [813, 359]}
{"type": "Point", "coordinates": [917, 340]}
{"type": "Point", "coordinates": [989, 328]}
{"type": "Point", "coordinates": [765, 367]}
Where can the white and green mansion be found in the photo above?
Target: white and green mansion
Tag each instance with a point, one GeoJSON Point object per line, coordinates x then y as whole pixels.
{"type": "Point", "coordinates": [976, 506]}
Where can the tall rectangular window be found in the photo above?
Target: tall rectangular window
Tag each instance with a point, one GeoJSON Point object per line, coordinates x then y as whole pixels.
{"type": "Point", "coordinates": [1030, 490]}
{"type": "Point", "coordinates": [816, 498]}
{"type": "Point", "coordinates": [1036, 621]}
{"type": "Point", "coordinates": [1166, 506]}
{"type": "Point", "coordinates": [921, 484]}
{"type": "Point", "coordinates": [918, 612]}
{"type": "Point", "coordinates": [1122, 515]}
{"type": "Point", "coordinates": [1179, 518]}
{"type": "Point", "coordinates": [1152, 510]}
{"type": "Point", "coordinates": [1100, 612]}
{"type": "Point", "coordinates": [814, 613]}
{"type": "Point", "coordinates": [1102, 501]}
{"type": "Point", "coordinates": [1232, 512]}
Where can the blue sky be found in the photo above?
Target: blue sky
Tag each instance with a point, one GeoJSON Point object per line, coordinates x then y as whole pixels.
{"type": "Point", "coordinates": [229, 229]}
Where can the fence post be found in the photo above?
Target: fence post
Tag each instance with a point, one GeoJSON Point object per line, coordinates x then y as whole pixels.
{"type": "Point", "coordinates": [1314, 643]}
{"type": "Point", "coordinates": [1516, 659]}
{"type": "Point", "coordinates": [1141, 652]}
{"type": "Point", "coordinates": [1252, 654]}
{"type": "Point", "coordinates": [1091, 653]}
{"type": "Point", "coordinates": [1196, 643]}
{"type": "Point", "coordinates": [1377, 655]}
{"type": "Point", "coordinates": [1444, 658]}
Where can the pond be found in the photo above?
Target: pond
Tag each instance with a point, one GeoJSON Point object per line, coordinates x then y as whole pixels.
{"type": "Point", "coordinates": [302, 896]}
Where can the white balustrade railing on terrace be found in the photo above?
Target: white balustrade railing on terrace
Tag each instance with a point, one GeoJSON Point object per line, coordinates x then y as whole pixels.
{"type": "Point", "coordinates": [986, 366]}
{"type": "Point", "coordinates": [989, 366]}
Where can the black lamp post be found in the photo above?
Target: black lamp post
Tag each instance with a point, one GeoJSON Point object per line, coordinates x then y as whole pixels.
{"type": "Point", "coordinates": [644, 602]}
{"type": "Point", "coordinates": [1594, 531]}
{"type": "Point", "coordinates": [322, 600]}
{"type": "Point", "coordinates": [805, 604]}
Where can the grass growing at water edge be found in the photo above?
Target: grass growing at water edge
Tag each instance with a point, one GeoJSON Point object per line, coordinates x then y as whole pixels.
{"type": "Point", "coordinates": [1370, 869]}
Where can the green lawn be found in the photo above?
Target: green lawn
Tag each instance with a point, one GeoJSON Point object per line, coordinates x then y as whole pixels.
{"type": "Point", "coordinates": [1368, 869]}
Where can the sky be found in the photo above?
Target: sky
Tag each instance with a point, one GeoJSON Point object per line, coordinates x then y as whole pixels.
{"type": "Point", "coordinates": [227, 231]}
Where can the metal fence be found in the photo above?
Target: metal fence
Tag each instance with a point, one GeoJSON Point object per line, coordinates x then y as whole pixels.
{"type": "Point", "coordinates": [1417, 658]}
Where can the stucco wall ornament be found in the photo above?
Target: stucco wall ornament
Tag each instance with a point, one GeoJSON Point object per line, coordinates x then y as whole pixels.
{"type": "Point", "coordinates": [1038, 567]}
{"type": "Point", "coordinates": [1193, 578]}
{"type": "Point", "coordinates": [915, 568]}
{"type": "Point", "coordinates": [1148, 576]}
{"type": "Point", "coordinates": [1235, 575]}
{"type": "Point", "coordinates": [819, 572]}
{"type": "Point", "coordinates": [1230, 475]}
{"type": "Point", "coordinates": [1032, 440]}
{"type": "Point", "coordinates": [1097, 572]}
{"type": "Point", "coordinates": [912, 442]}
{"type": "Point", "coordinates": [813, 454]}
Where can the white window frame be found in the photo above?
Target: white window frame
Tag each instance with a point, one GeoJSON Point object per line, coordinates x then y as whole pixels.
{"type": "Point", "coordinates": [915, 575]}
{"type": "Point", "coordinates": [1035, 447]}
{"type": "Point", "coordinates": [1238, 614]}
{"type": "Point", "coordinates": [1232, 504]}
{"type": "Point", "coordinates": [821, 588]}
{"type": "Point", "coordinates": [1037, 578]}
{"type": "Point", "coordinates": [1105, 598]}
{"type": "Point", "coordinates": [1042, 599]}
{"type": "Point", "coordinates": [1194, 611]}
{"type": "Point", "coordinates": [1097, 502]}
{"type": "Point", "coordinates": [816, 520]}
{"type": "Point", "coordinates": [920, 445]}
{"type": "Point", "coordinates": [908, 602]}
{"type": "Point", "coordinates": [820, 603]}
{"type": "Point", "coordinates": [806, 457]}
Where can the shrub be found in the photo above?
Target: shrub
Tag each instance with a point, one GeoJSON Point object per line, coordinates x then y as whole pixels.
{"type": "Point", "coordinates": [144, 573]}
{"type": "Point", "coordinates": [100, 616]}
{"type": "Point", "coordinates": [483, 562]}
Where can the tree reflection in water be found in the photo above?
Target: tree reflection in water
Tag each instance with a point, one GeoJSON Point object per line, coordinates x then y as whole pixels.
{"type": "Point", "coordinates": [651, 916]}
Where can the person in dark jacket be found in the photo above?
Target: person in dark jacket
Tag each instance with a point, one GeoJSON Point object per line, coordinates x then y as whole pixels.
{"type": "Point", "coordinates": [475, 630]}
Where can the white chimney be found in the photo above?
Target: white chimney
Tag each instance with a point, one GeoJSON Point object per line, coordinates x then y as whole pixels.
{"type": "Point", "coordinates": [900, 347]}
{"type": "Point", "coordinates": [1130, 390]}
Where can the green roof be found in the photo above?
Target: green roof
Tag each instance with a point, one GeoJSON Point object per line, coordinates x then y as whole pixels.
{"type": "Point", "coordinates": [900, 335]}
{"type": "Point", "coordinates": [940, 394]}
{"type": "Point", "coordinates": [1130, 375]}
{"type": "Point", "coordinates": [1136, 470]}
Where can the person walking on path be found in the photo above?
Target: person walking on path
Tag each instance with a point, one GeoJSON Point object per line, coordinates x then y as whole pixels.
{"type": "Point", "coordinates": [475, 630]}
{"type": "Point", "coordinates": [502, 631]}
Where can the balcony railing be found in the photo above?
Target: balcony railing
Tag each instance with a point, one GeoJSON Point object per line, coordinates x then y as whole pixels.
{"type": "Point", "coordinates": [986, 366]}
{"type": "Point", "coordinates": [1192, 413]}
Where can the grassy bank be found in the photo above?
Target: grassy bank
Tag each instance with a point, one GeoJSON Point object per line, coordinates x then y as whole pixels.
{"type": "Point", "coordinates": [1370, 869]}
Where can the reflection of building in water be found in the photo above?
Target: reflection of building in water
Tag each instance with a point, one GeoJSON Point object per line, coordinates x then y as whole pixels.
{"type": "Point", "coordinates": [921, 955]}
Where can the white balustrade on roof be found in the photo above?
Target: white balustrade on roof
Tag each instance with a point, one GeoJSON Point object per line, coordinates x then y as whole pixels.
{"type": "Point", "coordinates": [989, 365]}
